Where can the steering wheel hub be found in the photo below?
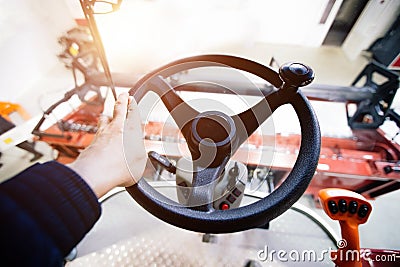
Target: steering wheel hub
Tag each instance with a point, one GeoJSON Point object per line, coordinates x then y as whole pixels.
{"type": "Point", "coordinates": [213, 128]}
{"type": "Point", "coordinates": [212, 132]}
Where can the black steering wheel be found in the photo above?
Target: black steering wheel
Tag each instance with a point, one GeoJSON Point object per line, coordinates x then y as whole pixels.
{"type": "Point", "coordinates": [225, 137]}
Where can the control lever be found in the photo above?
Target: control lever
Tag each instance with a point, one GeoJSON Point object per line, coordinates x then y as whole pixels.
{"type": "Point", "coordinates": [388, 169]}
{"type": "Point", "coordinates": [160, 162]}
{"type": "Point", "coordinates": [350, 209]}
{"type": "Point", "coordinates": [233, 175]}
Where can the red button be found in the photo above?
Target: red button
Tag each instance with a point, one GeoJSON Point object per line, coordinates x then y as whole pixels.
{"type": "Point", "coordinates": [224, 206]}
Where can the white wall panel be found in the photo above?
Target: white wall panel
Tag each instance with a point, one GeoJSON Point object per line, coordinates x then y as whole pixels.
{"type": "Point", "coordinates": [373, 23]}
{"type": "Point", "coordinates": [28, 44]}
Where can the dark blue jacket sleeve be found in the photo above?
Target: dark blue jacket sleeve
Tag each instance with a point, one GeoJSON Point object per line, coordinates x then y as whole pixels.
{"type": "Point", "coordinates": [44, 212]}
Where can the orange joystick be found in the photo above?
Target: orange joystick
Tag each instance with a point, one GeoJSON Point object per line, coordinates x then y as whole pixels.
{"type": "Point", "coordinates": [350, 209]}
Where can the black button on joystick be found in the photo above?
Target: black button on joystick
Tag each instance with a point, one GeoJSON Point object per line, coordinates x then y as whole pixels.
{"type": "Point", "coordinates": [353, 205]}
{"type": "Point", "coordinates": [332, 206]}
{"type": "Point", "coordinates": [296, 75]}
{"type": "Point", "coordinates": [363, 211]}
{"type": "Point", "coordinates": [342, 205]}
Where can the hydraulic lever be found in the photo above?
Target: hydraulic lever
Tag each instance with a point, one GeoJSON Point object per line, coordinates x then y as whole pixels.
{"type": "Point", "coordinates": [350, 209]}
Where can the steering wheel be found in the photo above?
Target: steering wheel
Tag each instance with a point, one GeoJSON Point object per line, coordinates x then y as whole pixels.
{"type": "Point", "coordinates": [217, 134]}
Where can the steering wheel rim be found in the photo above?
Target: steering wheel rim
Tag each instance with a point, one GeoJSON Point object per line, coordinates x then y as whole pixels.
{"type": "Point", "coordinates": [266, 209]}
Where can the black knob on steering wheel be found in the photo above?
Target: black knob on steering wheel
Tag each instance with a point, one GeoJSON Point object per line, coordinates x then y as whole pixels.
{"type": "Point", "coordinates": [296, 74]}
{"type": "Point", "coordinates": [224, 135]}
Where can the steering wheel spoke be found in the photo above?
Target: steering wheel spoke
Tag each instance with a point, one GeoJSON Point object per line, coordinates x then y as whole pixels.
{"type": "Point", "coordinates": [181, 112]}
{"type": "Point", "coordinates": [248, 121]}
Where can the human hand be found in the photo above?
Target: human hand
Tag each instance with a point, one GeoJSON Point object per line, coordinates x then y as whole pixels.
{"type": "Point", "coordinates": [103, 164]}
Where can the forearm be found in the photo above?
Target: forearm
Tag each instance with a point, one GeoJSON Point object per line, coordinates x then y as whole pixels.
{"type": "Point", "coordinates": [46, 210]}
{"type": "Point", "coordinates": [95, 176]}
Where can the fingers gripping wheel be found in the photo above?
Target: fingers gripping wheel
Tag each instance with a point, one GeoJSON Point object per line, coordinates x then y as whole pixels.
{"type": "Point", "coordinates": [228, 133]}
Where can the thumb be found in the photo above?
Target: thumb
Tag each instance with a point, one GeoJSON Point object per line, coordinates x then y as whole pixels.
{"type": "Point", "coordinates": [134, 149]}
{"type": "Point", "coordinates": [104, 120]}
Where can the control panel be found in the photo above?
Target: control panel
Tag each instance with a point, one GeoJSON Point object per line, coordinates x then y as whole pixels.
{"type": "Point", "coordinates": [228, 190]}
